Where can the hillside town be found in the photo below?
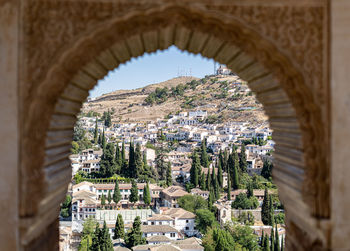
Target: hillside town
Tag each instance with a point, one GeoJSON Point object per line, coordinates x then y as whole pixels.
{"type": "Point", "coordinates": [176, 183]}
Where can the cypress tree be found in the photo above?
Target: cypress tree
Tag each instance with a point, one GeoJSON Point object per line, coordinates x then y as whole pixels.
{"type": "Point", "coordinates": [228, 186]}
{"type": "Point", "coordinates": [235, 182]}
{"type": "Point", "coordinates": [272, 240]}
{"type": "Point", "coordinates": [208, 185]}
{"type": "Point", "coordinates": [138, 160]}
{"type": "Point", "coordinates": [169, 179]}
{"type": "Point", "coordinates": [132, 170]}
{"type": "Point", "coordinates": [134, 196]}
{"type": "Point", "coordinates": [116, 194]}
{"type": "Point", "coordinates": [105, 239]}
{"type": "Point", "coordinates": [145, 160]}
{"type": "Point", "coordinates": [146, 195]}
{"type": "Point", "coordinates": [266, 243]}
{"type": "Point", "coordinates": [204, 155]}
{"type": "Point", "coordinates": [118, 156]}
{"type": "Point", "coordinates": [220, 174]}
{"type": "Point", "coordinates": [103, 140]}
{"type": "Point", "coordinates": [282, 244]}
{"type": "Point", "coordinates": [123, 152]}
{"type": "Point", "coordinates": [215, 184]}
{"type": "Point", "coordinates": [271, 212]}
{"type": "Point", "coordinates": [225, 158]}
{"type": "Point", "coordinates": [250, 192]}
{"type": "Point", "coordinates": [107, 163]}
{"type": "Point", "coordinates": [134, 237]}
{"type": "Point", "coordinates": [277, 241]}
{"type": "Point", "coordinates": [100, 140]}
{"type": "Point", "coordinates": [202, 184]}
{"type": "Point", "coordinates": [103, 200]}
{"type": "Point", "coordinates": [96, 132]}
{"type": "Point", "coordinates": [194, 169]}
{"type": "Point", "coordinates": [243, 159]}
{"type": "Point", "coordinates": [119, 228]}
{"type": "Point", "coordinates": [265, 208]}
{"type": "Point", "coordinates": [222, 162]}
{"type": "Point", "coordinates": [95, 246]}
{"type": "Point", "coordinates": [211, 198]}
{"type": "Point", "coordinates": [109, 197]}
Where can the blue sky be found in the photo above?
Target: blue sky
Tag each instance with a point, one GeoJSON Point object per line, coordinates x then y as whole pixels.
{"type": "Point", "coordinates": [154, 68]}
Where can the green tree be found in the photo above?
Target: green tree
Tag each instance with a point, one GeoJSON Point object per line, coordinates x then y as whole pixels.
{"type": "Point", "coordinates": [65, 207]}
{"type": "Point", "coordinates": [118, 156]}
{"type": "Point", "coordinates": [203, 183]}
{"type": "Point", "coordinates": [138, 160]}
{"type": "Point", "coordinates": [103, 200]}
{"type": "Point", "coordinates": [195, 169]}
{"type": "Point", "coordinates": [228, 186]}
{"type": "Point", "coordinates": [134, 236]}
{"type": "Point", "coordinates": [204, 155]}
{"type": "Point", "coordinates": [192, 203]}
{"type": "Point", "coordinates": [108, 119]}
{"type": "Point", "coordinates": [146, 195]}
{"type": "Point", "coordinates": [266, 171]}
{"type": "Point", "coordinates": [277, 240]}
{"type": "Point", "coordinates": [87, 234]}
{"type": "Point", "coordinates": [75, 148]}
{"type": "Point", "coordinates": [103, 141]}
{"type": "Point", "coordinates": [160, 163]}
{"type": "Point", "coordinates": [245, 236]}
{"type": "Point", "coordinates": [235, 183]}
{"type": "Point", "coordinates": [96, 132]}
{"type": "Point", "coordinates": [271, 212]}
{"type": "Point", "coordinates": [107, 163]}
{"type": "Point", "coordinates": [134, 196]}
{"type": "Point", "coordinates": [132, 170]}
{"type": "Point", "coordinates": [119, 228]}
{"type": "Point", "coordinates": [266, 245]}
{"type": "Point", "coordinates": [116, 194]}
{"type": "Point", "coordinates": [265, 208]}
{"type": "Point", "coordinates": [243, 202]}
{"type": "Point", "coordinates": [169, 179]}
{"type": "Point", "coordinates": [250, 192]}
{"type": "Point", "coordinates": [220, 177]}
{"type": "Point", "coordinates": [272, 235]}
{"type": "Point", "coordinates": [109, 197]}
{"type": "Point", "coordinates": [243, 159]}
{"type": "Point", "coordinates": [205, 218]}
{"type": "Point", "coordinates": [279, 218]}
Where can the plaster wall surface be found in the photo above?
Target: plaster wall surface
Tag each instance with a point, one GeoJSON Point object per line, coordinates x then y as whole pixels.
{"type": "Point", "coordinates": [8, 126]}
{"type": "Point", "coordinates": [340, 132]}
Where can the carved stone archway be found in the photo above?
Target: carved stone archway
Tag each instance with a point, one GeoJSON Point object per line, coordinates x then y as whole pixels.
{"type": "Point", "coordinates": [279, 48]}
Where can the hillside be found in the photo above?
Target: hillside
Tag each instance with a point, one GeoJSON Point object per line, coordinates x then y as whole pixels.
{"type": "Point", "coordinates": [225, 98]}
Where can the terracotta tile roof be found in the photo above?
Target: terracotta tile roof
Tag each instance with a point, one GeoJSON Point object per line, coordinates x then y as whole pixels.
{"type": "Point", "coordinates": [179, 213]}
{"type": "Point", "coordinates": [83, 183]}
{"type": "Point", "coordinates": [158, 238]}
{"type": "Point", "coordinates": [160, 217]}
{"type": "Point", "coordinates": [158, 229]}
{"type": "Point", "coordinates": [121, 186]}
{"type": "Point", "coordinates": [174, 191]}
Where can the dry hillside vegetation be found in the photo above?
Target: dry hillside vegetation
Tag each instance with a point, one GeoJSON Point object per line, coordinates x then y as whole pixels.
{"type": "Point", "coordinates": [225, 98]}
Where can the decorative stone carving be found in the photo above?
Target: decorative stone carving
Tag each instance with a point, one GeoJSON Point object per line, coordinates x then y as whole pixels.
{"type": "Point", "coordinates": [288, 39]}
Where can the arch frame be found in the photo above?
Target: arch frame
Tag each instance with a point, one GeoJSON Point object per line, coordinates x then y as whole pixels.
{"type": "Point", "coordinates": [295, 114]}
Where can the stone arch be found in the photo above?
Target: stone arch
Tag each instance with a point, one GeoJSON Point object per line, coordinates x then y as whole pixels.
{"type": "Point", "coordinates": [278, 80]}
